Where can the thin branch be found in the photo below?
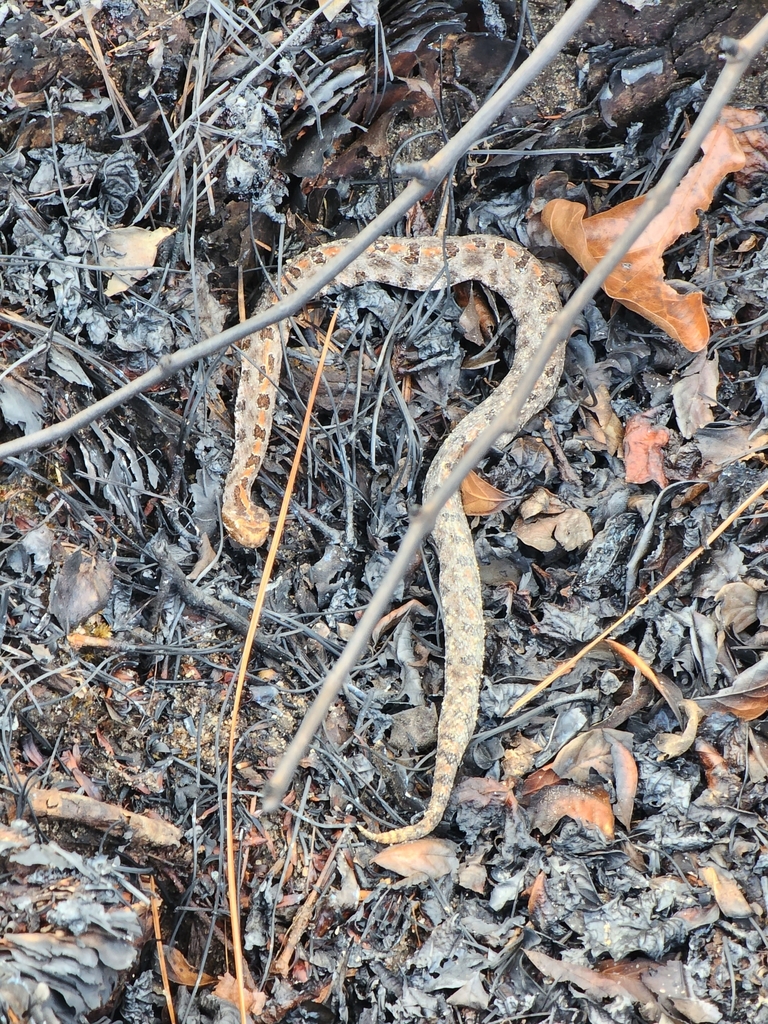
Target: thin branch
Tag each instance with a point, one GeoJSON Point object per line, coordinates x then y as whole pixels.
{"type": "Point", "coordinates": [567, 666]}
{"type": "Point", "coordinates": [233, 890]}
{"type": "Point", "coordinates": [431, 174]}
{"type": "Point", "coordinates": [738, 58]}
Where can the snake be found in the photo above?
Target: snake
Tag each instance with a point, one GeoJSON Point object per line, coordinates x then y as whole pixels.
{"type": "Point", "coordinates": [418, 264]}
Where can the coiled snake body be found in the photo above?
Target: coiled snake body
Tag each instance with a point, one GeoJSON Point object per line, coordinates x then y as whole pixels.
{"type": "Point", "coordinates": [418, 264]}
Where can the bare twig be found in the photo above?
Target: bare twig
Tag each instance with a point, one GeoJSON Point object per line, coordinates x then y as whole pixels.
{"type": "Point", "coordinates": [739, 55]}
{"type": "Point", "coordinates": [431, 172]}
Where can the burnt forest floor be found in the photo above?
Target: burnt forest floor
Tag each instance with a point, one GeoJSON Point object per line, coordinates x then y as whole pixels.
{"type": "Point", "coordinates": [604, 856]}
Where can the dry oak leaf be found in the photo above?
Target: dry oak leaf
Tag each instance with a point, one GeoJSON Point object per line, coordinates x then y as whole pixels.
{"type": "Point", "coordinates": [639, 980]}
{"type": "Point", "coordinates": [758, 758]}
{"type": "Point", "coordinates": [643, 444]}
{"type": "Point", "coordinates": [671, 693]}
{"type": "Point", "coordinates": [671, 744]}
{"type": "Point", "coordinates": [538, 534]}
{"type": "Point", "coordinates": [736, 606]}
{"type": "Point", "coordinates": [227, 989]}
{"type": "Point", "coordinates": [723, 784]}
{"type": "Point", "coordinates": [181, 971]}
{"type": "Point", "coordinates": [608, 752]}
{"type": "Point", "coordinates": [753, 141]}
{"type": "Point", "coordinates": [638, 281]}
{"type": "Point", "coordinates": [573, 530]}
{"type": "Point", "coordinates": [746, 697]}
{"type": "Point", "coordinates": [596, 984]}
{"type": "Point", "coordinates": [542, 501]}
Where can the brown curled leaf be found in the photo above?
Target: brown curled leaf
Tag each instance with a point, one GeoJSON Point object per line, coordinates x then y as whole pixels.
{"type": "Point", "coordinates": [481, 498]}
{"type": "Point", "coordinates": [638, 281]}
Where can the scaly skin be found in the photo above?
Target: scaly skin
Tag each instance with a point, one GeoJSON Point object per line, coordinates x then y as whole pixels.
{"type": "Point", "coordinates": [418, 264]}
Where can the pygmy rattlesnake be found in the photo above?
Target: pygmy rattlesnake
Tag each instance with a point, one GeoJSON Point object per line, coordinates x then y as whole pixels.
{"type": "Point", "coordinates": [418, 264]}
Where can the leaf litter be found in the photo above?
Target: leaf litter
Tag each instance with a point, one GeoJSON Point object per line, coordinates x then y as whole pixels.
{"type": "Point", "coordinates": [608, 838]}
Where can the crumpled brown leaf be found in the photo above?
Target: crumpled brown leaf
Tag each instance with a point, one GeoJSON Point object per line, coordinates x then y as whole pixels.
{"type": "Point", "coordinates": [639, 980]}
{"type": "Point", "coordinates": [569, 527]}
{"type": "Point", "coordinates": [228, 990]}
{"type": "Point", "coordinates": [638, 281]}
{"type": "Point", "coordinates": [608, 752]}
{"type": "Point", "coordinates": [672, 744]}
{"type": "Point", "coordinates": [601, 421]}
{"type": "Point", "coordinates": [589, 805]}
{"type": "Point", "coordinates": [746, 697]}
{"type": "Point", "coordinates": [643, 444]}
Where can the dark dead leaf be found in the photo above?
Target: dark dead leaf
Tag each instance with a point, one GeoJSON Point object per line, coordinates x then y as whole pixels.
{"type": "Point", "coordinates": [81, 589]}
{"type": "Point", "coordinates": [695, 394]}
